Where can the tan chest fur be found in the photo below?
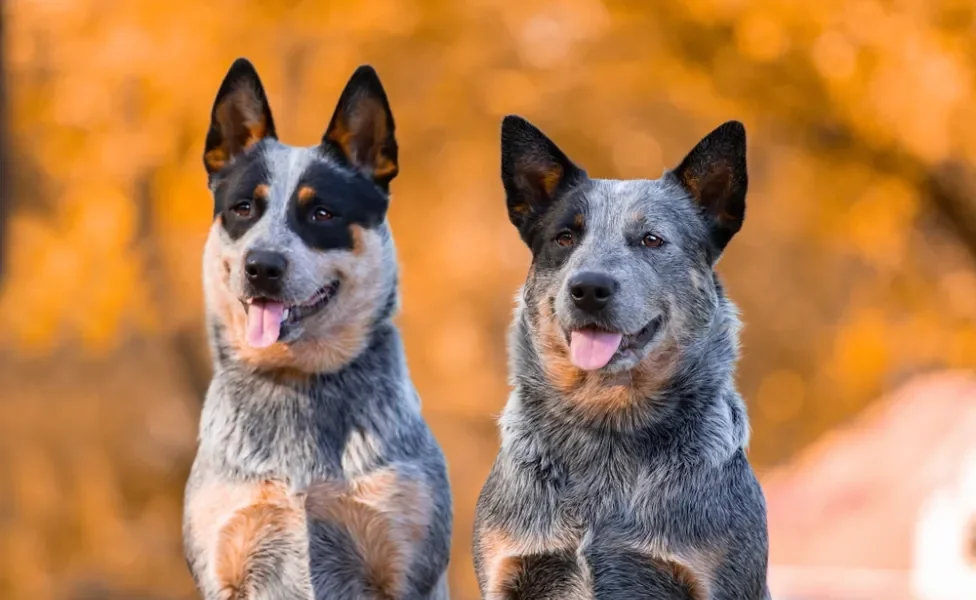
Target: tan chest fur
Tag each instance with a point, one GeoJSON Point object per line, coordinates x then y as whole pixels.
{"type": "Point", "coordinates": [229, 522]}
{"type": "Point", "coordinates": [385, 513]}
{"type": "Point", "coordinates": [503, 551]}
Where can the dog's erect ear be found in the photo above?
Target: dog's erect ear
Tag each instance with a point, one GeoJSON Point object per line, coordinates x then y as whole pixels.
{"type": "Point", "coordinates": [240, 117]}
{"type": "Point", "coordinates": [534, 172]}
{"type": "Point", "coordinates": [361, 130]}
{"type": "Point", "coordinates": [714, 172]}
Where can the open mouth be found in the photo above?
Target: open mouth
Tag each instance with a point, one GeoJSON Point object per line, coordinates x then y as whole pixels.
{"type": "Point", "coordinates": [592, 348]}
{"type": "Point", "coordinates": [316, 303]}
{"type": "Point", "coordinates": [267, 317]}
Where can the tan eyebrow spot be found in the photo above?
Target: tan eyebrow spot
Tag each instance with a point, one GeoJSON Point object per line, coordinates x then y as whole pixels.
{"type": "Point", "coordinates": [359, 239]}
{"type": "Point", "coordinates": [306, 194]}
{"type": "Point", "coordinates": [262, 191]}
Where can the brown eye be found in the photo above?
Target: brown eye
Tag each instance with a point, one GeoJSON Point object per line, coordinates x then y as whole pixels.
{"type": "Point", "coordinates": [652, 241]}
{"type": "Point", "coordinates": [320, 214]}
{"type": "Point", "coordinates": [242, 209]}
{"type": "Point", "coordinates": [566, 238]}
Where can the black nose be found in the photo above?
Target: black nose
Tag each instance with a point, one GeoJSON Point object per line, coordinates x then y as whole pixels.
{"type": "Point", "coordinates": [264, 270]}
{"type": "Point", "coordinates": [591, 291]}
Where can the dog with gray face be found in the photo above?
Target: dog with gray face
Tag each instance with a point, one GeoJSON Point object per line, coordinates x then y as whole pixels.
{"type": "Point", "coordinates": [316, 476]}
{"type": "Point", "coordinates": [622, 471]}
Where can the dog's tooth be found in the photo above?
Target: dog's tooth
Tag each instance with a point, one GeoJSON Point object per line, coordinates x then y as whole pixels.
{"type": "Point", "coordinates": [284, 314]}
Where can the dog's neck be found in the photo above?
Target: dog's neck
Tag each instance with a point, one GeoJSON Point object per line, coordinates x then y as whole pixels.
{"type": "Point", "coordinates": [699, 400]}
{"type": "Point", "coordinates": [263, 424]}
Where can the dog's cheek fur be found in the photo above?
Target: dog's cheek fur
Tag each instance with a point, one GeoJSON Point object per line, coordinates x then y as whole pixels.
{"type": "Point", "coordinates": [222, 303]}
{"type": "Point", "coordinates": [693, 304]}
{"type": "Point", "coordinates": [385, 514]}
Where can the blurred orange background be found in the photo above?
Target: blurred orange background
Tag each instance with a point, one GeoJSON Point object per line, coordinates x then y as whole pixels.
{"type": "Point", "coordinates": [855, 271]}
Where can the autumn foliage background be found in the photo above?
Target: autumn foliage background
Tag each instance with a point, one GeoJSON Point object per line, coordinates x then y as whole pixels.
{"type": "Point", "coordinates": [854, 271]}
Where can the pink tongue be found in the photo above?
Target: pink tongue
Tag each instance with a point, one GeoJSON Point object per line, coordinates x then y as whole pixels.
{"type": "Point", "coordinates": [591, 350]}
{"type": "Point", "coordinates": [264, 323]}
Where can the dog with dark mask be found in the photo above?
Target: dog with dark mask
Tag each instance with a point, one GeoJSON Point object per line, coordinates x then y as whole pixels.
{"type": "Point", "coordinates": [316, 475]}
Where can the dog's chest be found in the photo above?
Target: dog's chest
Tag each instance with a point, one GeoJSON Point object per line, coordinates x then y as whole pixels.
{"type": "Point", "coordinates": [606, 484]}
{"type": "Point", "coordinates": [620, 503]}
{"type": "Point", "coordinates": [306, 459]}
{"type": "Point", "coordinates": [295, 438]}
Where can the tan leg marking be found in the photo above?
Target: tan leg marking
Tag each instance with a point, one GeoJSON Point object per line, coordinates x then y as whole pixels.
{"type": "Point", "coordinates": [229, 521]}
{"type": "Point", "coordinates": [386, 514]}
{"type": "Point", "coordinates": [694, 568]}
{"type": "Point", "coordinates": [250, 529]}
{"type": "Point", "coordinates": [502, 555]}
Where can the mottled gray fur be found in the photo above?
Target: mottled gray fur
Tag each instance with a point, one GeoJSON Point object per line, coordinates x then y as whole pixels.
{"type": "Point", "coordinates": [655, 499]}
{"type": "Point", "coordinates": [278, 437]}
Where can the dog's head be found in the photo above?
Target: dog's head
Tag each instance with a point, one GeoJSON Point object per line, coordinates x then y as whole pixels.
{"type": "Point", "coordinates": [299, 262]}
{"type": "Point", "coordinates": [622, 270]}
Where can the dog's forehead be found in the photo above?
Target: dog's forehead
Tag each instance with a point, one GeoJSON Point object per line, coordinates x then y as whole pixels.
{"type": "Point", "coordinates": [287, 165]}
{"type": "Point", "coordinates": [619, 201]}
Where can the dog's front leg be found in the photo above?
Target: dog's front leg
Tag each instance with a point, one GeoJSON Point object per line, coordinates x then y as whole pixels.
{"type": "Point", "coordinates": [246, 541]}
{"type": "Point", "coordinates": [384, 535]}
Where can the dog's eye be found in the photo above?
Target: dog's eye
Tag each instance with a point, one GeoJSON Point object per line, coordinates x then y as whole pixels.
{"type": "Point", "coordinates": [651, 241]}
{"type": "Point", "coordinates": [566, 238]}
{"type": "Point", "coordinates": [242, 209]}
{"type": "Point", "coordinates": [321, 214]}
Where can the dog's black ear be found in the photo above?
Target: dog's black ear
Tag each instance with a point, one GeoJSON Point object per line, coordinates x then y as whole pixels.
{"type": "Point", "coordinates": [240, 117]}
{"type": "Point", "coordinates": [714, 172]}
{"type": "Point", "coordinates": [534, 172]}
{"type": "Point", "coordinates": [361, 132]}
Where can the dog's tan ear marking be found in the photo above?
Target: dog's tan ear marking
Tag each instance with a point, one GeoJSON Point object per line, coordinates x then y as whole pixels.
{"type": "Point", "coordinates": [534, 172]}
{"type": "Point", "coordinates": [361, 131]}
{"type": "Point", "coordinates": [715, 175]}
{"type": "Point", "coordinates": [240, 117]}
{"type": "Point", "coordinates": [539, 180]}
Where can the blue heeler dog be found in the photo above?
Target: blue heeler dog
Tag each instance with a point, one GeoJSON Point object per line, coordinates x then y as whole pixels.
{"type": "Point", "coordinates": [622, 471]}
{"type": "Point", "coordinates": [316, 476]}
